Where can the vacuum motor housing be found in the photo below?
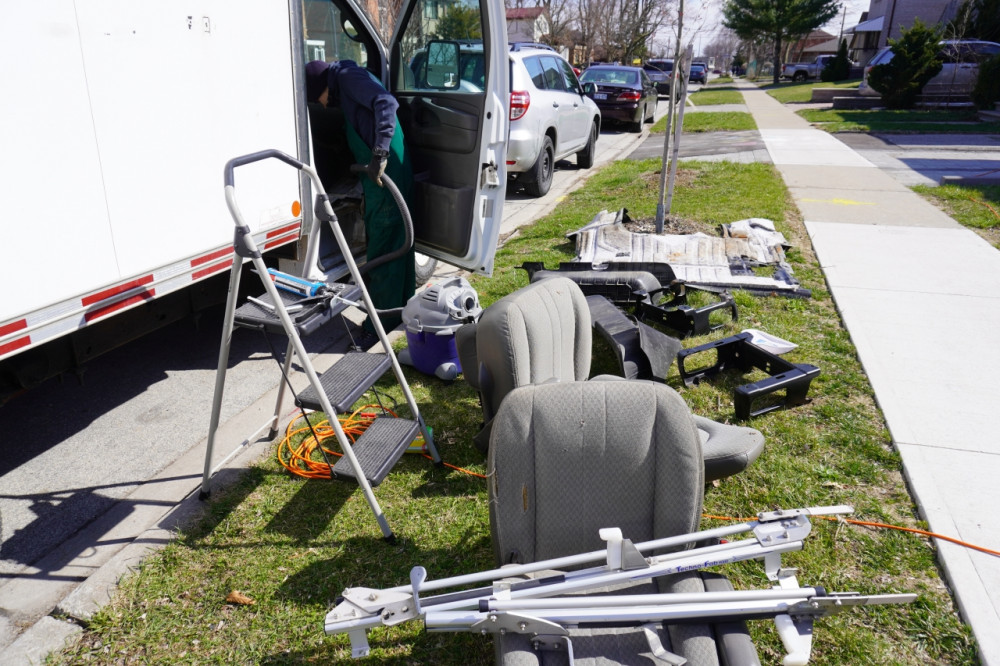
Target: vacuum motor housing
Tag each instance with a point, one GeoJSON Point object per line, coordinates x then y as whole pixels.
{"type": "Point", "coordinates": [431, 319]}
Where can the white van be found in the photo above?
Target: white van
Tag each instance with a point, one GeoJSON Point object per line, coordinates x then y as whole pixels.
{"type": "Point", "coordinates": [117, 123]}
{"type": "Point", "coordinates": [958, 73]}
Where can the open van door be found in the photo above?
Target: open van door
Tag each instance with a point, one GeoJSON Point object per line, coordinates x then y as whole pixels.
{"type": "Point", "coordinates": [452, 109]}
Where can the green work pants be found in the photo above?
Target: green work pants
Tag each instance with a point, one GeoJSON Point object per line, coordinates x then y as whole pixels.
{"type": "Point", "coordinates": [392, 284]}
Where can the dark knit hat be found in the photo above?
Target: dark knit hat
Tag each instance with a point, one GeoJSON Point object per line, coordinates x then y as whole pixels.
{"type": "Point", "coordinates": [316, 82]}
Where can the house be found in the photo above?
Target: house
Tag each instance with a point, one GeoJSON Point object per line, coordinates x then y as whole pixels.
{"type": "Point", "coordinates": [886, 19]}
{"type": "Point", "coordinates": [805, 47]}
{"type": "Point", "coordinates": [527, 24]}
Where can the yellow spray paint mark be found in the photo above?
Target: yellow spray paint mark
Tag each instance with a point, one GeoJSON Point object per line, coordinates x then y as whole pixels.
{"type": "Point", "coordinates": [842, 202]}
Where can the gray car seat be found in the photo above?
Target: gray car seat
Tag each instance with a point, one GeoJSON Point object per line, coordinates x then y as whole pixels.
{"type": "Point", "coordinates": [542, 333]}
{"type": "Point", "coordinates": [567, 459]}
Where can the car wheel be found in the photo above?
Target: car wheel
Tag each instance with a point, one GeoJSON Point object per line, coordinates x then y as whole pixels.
{"type": "Point", "coordinates": [585, 158]}
{"type": "Point", "coordinates": [637, 125]}
{"type": "Point", "coordinates": [541, 173]}
{"type": "Point", "coordinates": [424, 267]}
{"type": "Point", "coordinates": [799, 76]}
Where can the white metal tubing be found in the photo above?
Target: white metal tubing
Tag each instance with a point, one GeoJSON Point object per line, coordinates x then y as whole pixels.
{"type": "Point", "coordinates": [246, 442]}
{"type": "Point", "coordinates": [595, 614]}
{"type": "Point", "coordinates": [736, 596]}
{"type": "Point", "coordinates": [691, 563]}
{"type": "Point", "coordinates": [352, 267]}
{"type": "Point", "coordinates": [597, 577]}
{"type": "Point", "coordinates": [576, 560]}
{"type": "Point", "coordinates": [220, 373]}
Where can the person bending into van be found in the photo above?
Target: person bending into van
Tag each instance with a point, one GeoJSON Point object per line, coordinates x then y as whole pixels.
{"type": "Point", "coordinates": [376, 139]}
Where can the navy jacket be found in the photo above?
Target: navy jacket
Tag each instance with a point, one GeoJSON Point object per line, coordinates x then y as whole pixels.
{"type": "Point", "coordinates": [367, 106]}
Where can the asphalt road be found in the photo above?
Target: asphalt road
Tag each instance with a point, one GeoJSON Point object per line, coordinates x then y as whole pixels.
{"type": "Point", "coordinates": [89, 460]}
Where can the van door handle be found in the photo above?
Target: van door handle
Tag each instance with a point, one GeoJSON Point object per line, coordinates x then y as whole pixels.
{"type": "Point", "coordinates": [555, 105]}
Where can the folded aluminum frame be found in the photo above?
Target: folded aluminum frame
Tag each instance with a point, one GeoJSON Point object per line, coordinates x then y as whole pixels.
{"type": "Point", "coordinates": [532, 607]}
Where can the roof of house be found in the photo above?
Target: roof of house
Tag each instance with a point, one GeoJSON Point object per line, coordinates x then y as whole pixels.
{"type": "Point", "coordinates": [874, 25]}
{"type": "Point", "coordinates": [524, 12]}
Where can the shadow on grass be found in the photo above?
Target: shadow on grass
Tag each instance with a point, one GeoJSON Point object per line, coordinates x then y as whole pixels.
{"type": "Point", "coordinates": [311, 509]}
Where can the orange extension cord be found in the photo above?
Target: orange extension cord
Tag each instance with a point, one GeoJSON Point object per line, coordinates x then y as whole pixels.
{"type": "Point", "coordinates": [299, 461]}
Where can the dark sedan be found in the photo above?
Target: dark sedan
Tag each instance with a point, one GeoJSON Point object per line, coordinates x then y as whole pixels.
{"type": "Point", "coordinates": [699, 73]}
{"type": "Point", "coordinates": [623, 94]}
{"type": "Point", "coordinates": [660, 73]}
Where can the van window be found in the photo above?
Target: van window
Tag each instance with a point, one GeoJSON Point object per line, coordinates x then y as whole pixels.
{"type": "Point", "coordinates": [459, 21]}
{"type": "Point", "coordinates": [326, 37]}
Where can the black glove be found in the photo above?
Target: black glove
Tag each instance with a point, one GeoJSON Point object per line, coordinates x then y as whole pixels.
{"type": "Point", "coordinates": [376, 167]}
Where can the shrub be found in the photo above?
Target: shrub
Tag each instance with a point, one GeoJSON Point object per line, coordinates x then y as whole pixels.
{"type": "Point", "coordinates": [839, 68]}
{"type": "Point", "coordinates": [987, 91]}
{"type": "Point", "coordinates": [915, 61]}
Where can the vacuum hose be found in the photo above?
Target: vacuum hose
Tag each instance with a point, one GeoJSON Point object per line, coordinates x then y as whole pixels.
{"type": "Point", "coordinates": [407, 222]}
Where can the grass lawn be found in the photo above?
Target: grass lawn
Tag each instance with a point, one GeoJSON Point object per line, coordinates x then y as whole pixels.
{"type": "Point", "coordinates": [710, 121]}
{"type": "Point", "coordinates": [293, 545]}
{"type": "Point", "coordinates": [710, 96]}
{"type": "Point", "coordinates": [976, 207]}
{"type": "Point", "coordinates": [802, 92]}
{"type": "Point", "coordinates": [885, 120]}
{"type": "Point", "coordinates": [721, 80]}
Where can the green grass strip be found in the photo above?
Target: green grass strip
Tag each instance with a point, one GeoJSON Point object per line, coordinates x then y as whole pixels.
{"type": "Point", "coordinates": [802, 92]}
{"type": "Point", "coordinates": [908, 121]}
{"type": "Point", "coordinates": [711, 121]}
{"type": "Point", "coordinates": [709, 97]}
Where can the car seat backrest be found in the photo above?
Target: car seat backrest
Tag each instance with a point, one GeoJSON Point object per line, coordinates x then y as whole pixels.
{"type": "Point", "coordinates": [568, 459]}
{"type": "Point", "coordinates": [540, 333]}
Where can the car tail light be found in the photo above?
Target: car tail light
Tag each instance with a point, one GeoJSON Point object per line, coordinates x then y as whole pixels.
{"type": "Point", "coordinates": [629, 96]}
{"type": "Point", "coordinates": [520, 100]}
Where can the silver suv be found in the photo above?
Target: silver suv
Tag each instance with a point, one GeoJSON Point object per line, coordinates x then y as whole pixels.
{"type": "Point", "coordinates": [550, 117]}
{"type": "Point", "coordinates": [958, 74]}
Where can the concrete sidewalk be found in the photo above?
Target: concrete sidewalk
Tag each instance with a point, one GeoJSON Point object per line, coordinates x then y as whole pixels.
{"type": "Point", "coordinates": [920, 296]}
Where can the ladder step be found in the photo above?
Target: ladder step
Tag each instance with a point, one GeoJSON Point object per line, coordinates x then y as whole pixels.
{"type": "Point", "coordinates": [346, 381]}
{"type": "Point", "coordinates": [378, 449]}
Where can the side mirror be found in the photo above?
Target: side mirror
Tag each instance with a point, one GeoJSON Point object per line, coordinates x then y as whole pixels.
{"type": "Point", "coordinates": [442, 65]}
{"type": "Point", "coordinates": [589, 88]}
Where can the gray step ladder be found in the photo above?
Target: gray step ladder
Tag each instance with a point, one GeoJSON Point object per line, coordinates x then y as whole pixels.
{"type": "Point", "coordinates": [368, 460]}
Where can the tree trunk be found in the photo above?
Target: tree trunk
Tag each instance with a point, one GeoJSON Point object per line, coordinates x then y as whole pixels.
{"type": "Point", "coordinates": [777, 59]}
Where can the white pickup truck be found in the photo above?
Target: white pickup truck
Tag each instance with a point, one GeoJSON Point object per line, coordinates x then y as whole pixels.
{"type": "Point", "coordinates": [800, 71]}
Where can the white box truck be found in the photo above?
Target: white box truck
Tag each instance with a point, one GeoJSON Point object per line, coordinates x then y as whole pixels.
{"type": "Point", "coordinates": [117, 117]}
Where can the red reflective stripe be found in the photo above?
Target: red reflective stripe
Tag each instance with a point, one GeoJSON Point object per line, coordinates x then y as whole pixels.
{"type": "Point", "coordinates": [278, 241]}
{"type": "Point", "coordinates": [108, 293]}
{"type": "Point", "coordinates": [15, 344]}
{"type": "Point", "coordinates": [198, 261]}
{"type": "Point", "coordinates": [18, 325]}
{"type": "Point", "coordinates": [114, 307]}
{"type": "Point", "coordinates": [283, 230]}
{"type": "Point", "coordinates": [214, 268]}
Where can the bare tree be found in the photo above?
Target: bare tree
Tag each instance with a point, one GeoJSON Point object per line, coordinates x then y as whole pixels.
{"type": "Point", "coordinates": [625, 27]}
{"type": "Point", "coordinates": [589, 14]}
{"type": "Point", "coordinates": [725, 45]}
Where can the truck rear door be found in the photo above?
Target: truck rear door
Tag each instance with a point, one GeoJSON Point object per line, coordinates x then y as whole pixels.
{"type": "Point", "coordinates": [453, 112]}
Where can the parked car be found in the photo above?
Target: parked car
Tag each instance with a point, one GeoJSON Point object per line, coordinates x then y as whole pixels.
{"type": "Point", "coordinates": [550, 117]}
{"type": "Point", "coordinates": [624, 94]}
{"type": "Point", "coordinates": [958, 73]}
{"type": "Point", "coordinates": [661, 73]}
{"type": "Point", "coordinates": [698, 73]}
{"type": "Point", "coordinates": [800, 71]}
